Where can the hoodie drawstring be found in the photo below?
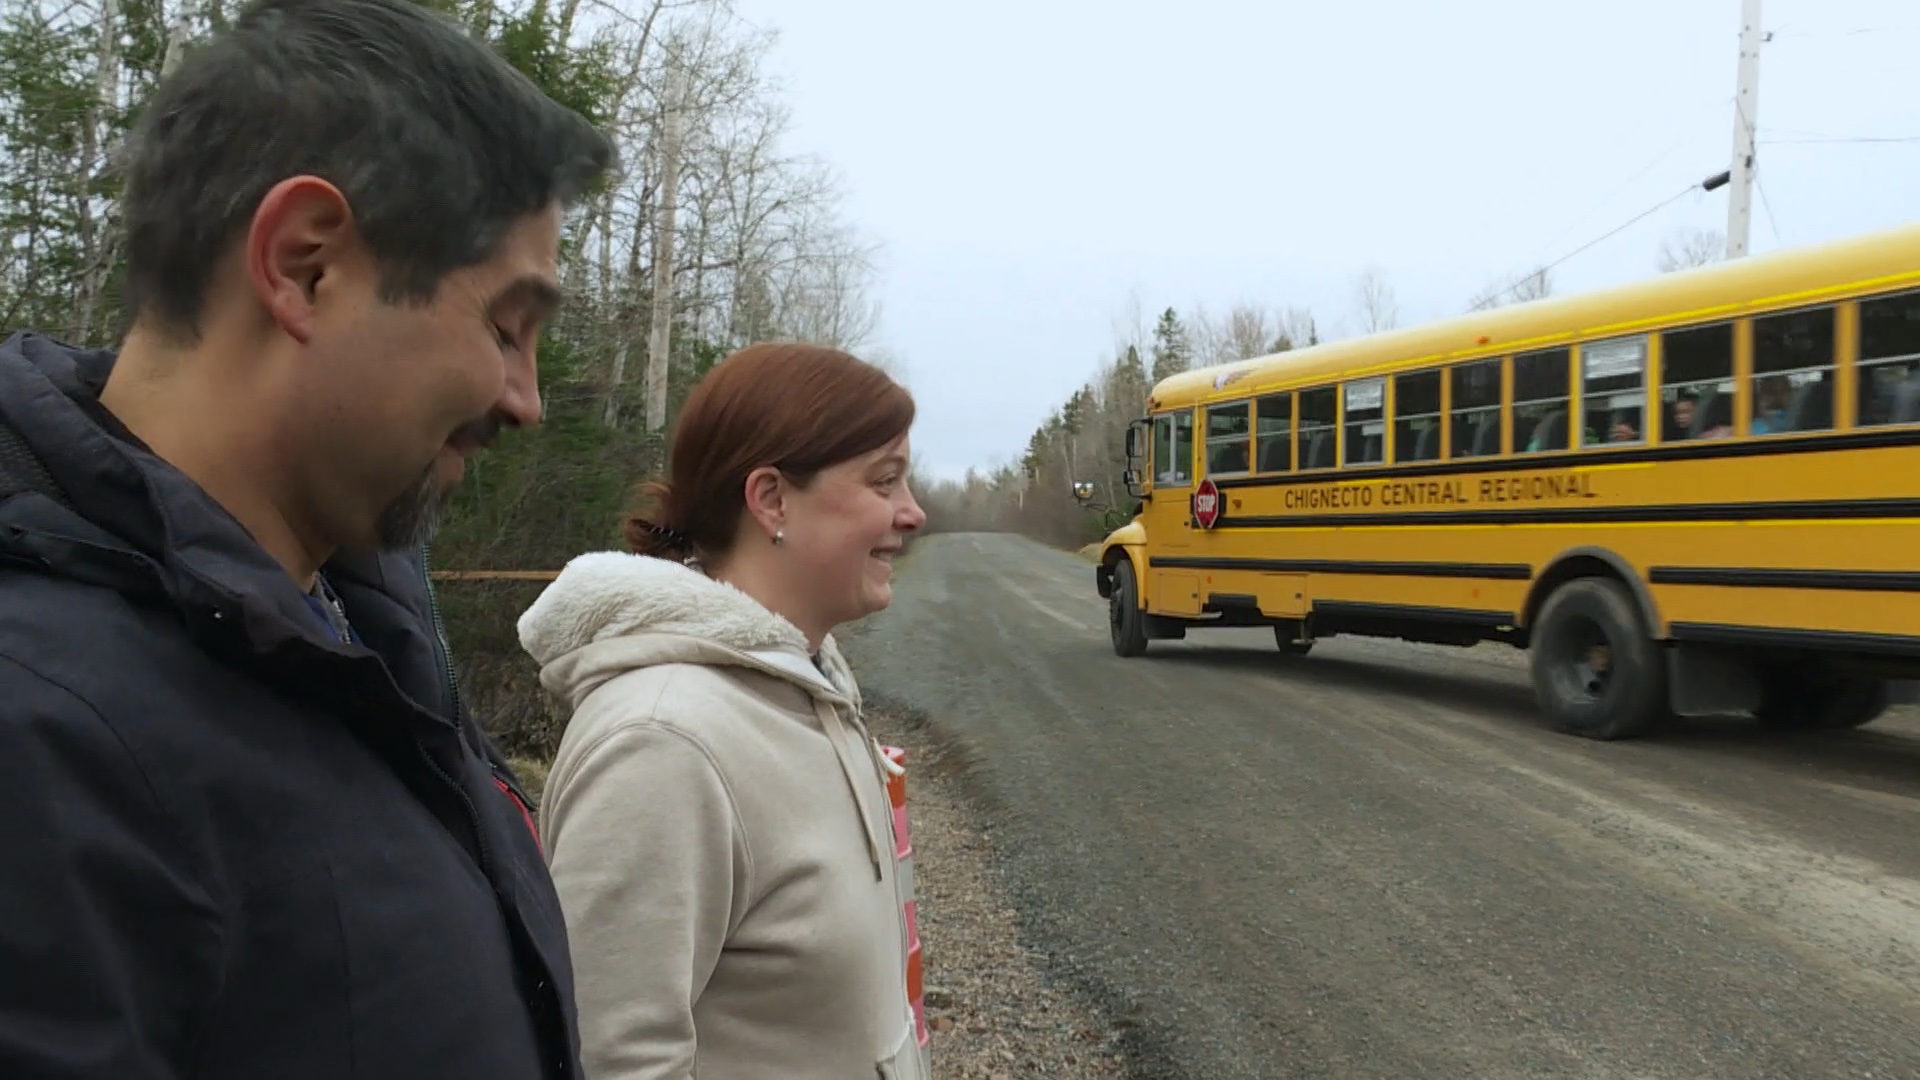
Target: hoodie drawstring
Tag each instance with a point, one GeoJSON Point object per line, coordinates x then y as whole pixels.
{"type": "Point", "coordinates": [837, 733]}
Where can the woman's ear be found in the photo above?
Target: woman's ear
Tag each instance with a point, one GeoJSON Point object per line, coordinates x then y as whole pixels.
{"type": "Point", "coordinates": [766, 498]}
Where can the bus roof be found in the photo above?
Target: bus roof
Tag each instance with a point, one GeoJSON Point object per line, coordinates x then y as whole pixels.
{"type": "Point", "coordinates": [1883, 259]}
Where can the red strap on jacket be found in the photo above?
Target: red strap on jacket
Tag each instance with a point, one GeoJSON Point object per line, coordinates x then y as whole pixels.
{"type": "Point", "coordinates": [525, 814]}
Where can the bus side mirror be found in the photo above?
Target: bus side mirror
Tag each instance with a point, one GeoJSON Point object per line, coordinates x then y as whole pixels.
{"type": "Point", "coordinates": [1083, 490]}
{"type": "Point", "coordinates": [1135, 437]}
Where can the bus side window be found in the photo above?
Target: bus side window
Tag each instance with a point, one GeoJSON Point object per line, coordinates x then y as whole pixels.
{"type": "Point", "coordinates": [1793, 372]}
{"type": "Point", "coordinates": [1614, 390]}
{"type": "Point", "coordinates": [1540, 401]}
{"type": "Point", "coordinates": [1182, 448]}
{"type": "Point", "coordinates": [1696, 383]}
{"type": "Point", "coordinates": [1476, 409]}
{"type": "Point", "coordinates": [1366, 421]}
{"type": "Point", "coordinates": [1273, 433]}
{"type": "Point", "coordinates": [1166, 464]}
{"type": "Point", "coordinates": [1416, 416]}
{"type": "Point", "coordinates": [1229, 439]}
{"type": "Point", "coordinates": [1316, 438]}
{"type": "Point", "coordinates": [1890, 360]}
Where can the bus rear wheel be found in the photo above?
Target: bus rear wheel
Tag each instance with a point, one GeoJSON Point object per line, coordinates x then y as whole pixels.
{"type": "Point", "coordinates": [1597, 674]}
{"type": "Point", "coordinates": [1125, 621]}
{"type": "Point", "coordinates": [1809, 698]}
{"type": "Point", "coordinates": [1284, 635]}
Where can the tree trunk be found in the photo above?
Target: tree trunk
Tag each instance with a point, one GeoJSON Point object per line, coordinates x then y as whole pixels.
{"type": "Point", "coordinates": [95, 241]}
{"type": "Point", "coordinates": [660, 326]}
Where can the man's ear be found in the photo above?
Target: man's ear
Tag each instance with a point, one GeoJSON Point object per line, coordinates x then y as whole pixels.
{"type": "Point", "coordinates": [766, 492]}
{"type": "Point", "coordinates": [301, 232]}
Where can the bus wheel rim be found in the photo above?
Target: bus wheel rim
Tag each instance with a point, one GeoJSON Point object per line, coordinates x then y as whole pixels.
{"type": "Point", "coordinates": [1580, 661]}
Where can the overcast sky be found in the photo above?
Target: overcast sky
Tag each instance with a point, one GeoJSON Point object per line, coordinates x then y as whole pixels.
{"type": "Point", "coordinates": [1028, 167]}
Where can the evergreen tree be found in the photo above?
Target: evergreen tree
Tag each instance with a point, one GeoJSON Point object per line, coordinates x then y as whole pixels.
{"type": "Point", "coordinates": [1172, 351]}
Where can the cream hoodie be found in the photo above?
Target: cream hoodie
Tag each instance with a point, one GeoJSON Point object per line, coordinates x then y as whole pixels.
{"type": "Point", "coordinates": [717, 825]}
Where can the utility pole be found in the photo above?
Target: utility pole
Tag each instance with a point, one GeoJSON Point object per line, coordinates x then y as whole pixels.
{"type": "Point", "coordinates": [1746, 113]}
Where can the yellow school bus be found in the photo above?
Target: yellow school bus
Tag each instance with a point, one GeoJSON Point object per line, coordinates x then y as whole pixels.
{"type": "Point", "coordinates": [1695, 494]}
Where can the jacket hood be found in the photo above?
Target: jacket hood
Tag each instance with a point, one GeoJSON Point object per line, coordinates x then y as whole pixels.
{"type": "Point", "coordinates": [609, 612]}
{"type": "Point", "coordinates": [91, 504]}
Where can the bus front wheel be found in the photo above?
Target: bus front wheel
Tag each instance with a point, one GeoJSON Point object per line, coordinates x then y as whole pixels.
{"type": "Point", "coordinates": [1597, 674]}
{"type": "Point", "coordinates": [1125, 620]}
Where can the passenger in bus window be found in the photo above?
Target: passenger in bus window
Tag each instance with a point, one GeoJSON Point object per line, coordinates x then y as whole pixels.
{"type": "Point", "coordinates": [1550, 433]}
{"type": "Point", "coordinates": [1889, 394]}
{"type": "Point", "coordinates": [1682, 412]}
{"type": "Point", "coordinates": [1770, 406]}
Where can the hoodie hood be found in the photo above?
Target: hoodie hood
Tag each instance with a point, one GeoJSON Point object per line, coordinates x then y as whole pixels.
{"type": "Point", "coordinates": [609, 613]}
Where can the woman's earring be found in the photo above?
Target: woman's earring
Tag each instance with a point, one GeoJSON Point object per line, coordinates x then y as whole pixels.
{"type": "Point", "coordinates": [779, 536]}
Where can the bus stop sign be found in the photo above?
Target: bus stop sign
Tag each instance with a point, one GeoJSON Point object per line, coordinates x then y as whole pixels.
{"type": "Point", "coordinates": [1206, 504]}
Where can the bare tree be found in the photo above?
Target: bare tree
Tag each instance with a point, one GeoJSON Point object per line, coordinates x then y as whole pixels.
{"type": "Point", "coordinates": [1537, 285]}
{"type": "Point", "coordinates": [660, 320]}
{"type": "Point", "coordinates": [1297, 329]}
{"type": "Point", "coordinates": [1518, 289]}
{"type": "Point", "coordinates": [1377, 307]}
{"type": "Point", "coordinates": [99, 238]}
{"type": "Point", "coordinates": [1246, 330]}
{"type": "Point", "coordinates": [1250, 331]}
{"type": "Point", "coordinates": [1208, 335]}
{"type": "Point", "coordinates": [1684, 249]}
{"type": "Point", "coordinates": [824, 299]}
{"type": "Point", "coordinates": [731, 239]}
{"type": "Point", "coordinates": [1132, 327]}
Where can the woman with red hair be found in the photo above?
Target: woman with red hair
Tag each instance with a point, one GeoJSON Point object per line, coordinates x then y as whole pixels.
{"type": "Point", "coordinates": [717, 820]}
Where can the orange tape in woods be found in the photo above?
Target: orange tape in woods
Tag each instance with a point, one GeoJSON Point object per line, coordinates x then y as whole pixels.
{"type": "Point", "coordinates": [494, 575]}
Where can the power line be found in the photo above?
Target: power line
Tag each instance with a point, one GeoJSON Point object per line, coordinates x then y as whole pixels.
{"type": "Point", "coordinates": [1603, 238]}
{"type": "Point", "coordinates": [1635, 220]}
{"type": "Point", "coordinates": [1603, 204]}
{"type": "Point", "coordinates": [1840, 140]}
{"type": "Point", "coordinates": [1767, 205]}
{"type": "Point", "coordinates": [1824, 35]}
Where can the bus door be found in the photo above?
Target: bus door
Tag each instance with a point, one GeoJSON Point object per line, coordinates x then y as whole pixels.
{"type": "Point", "coordinates": [1169, 516]}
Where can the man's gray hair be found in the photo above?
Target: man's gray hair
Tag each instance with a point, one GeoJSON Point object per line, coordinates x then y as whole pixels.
{"type": "Point", "coordinates": [437, 142]}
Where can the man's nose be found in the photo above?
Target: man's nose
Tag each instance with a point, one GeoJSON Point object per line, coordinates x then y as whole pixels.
{"type": "Point", "coordinates": [520, 397]}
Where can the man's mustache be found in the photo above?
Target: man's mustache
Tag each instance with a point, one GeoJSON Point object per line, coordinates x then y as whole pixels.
{"type": "Point", "coordinates": [480, 434]}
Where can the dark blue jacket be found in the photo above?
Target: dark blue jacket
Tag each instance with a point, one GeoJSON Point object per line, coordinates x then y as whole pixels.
{"type": "Point", "coordinates": [230, 846]}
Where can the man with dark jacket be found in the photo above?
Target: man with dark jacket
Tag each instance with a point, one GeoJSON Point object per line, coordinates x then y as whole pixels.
{"type": "Point", "coordinates": [249, 830]}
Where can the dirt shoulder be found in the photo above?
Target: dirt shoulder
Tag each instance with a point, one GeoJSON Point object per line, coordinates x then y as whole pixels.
{"type": "Point", "coordinates": [992, 1010]}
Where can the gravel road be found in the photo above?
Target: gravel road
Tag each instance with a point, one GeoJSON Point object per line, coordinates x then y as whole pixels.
{"type": "Point", "coordinates": [1373, 863]}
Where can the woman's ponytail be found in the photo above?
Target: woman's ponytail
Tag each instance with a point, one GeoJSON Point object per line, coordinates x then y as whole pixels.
{"type": "Point", "coordinates": [650, 530]}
